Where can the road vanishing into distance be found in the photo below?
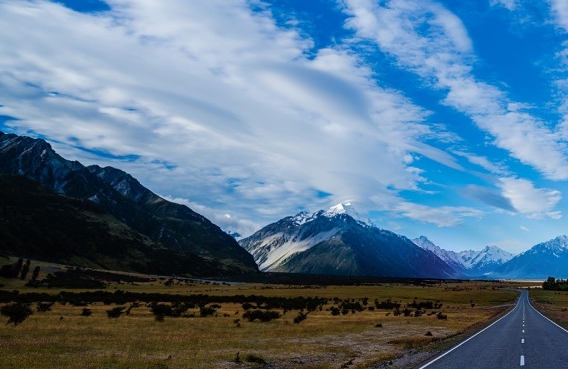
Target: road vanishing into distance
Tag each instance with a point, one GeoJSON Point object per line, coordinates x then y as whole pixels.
{"type": "Point", "coordinates": [523, 338]}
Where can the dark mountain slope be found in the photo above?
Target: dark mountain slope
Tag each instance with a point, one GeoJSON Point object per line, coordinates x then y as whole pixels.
{"type": "Point", "coordinates": [38, 223]}
{"type": "Point", "coordinates": [541, 261]}
{"type": "Point", "coordinates": [175, 226]}
{"type": "Point", "coordinates": [336, 244]}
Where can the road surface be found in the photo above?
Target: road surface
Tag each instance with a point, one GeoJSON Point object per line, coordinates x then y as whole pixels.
{"type": "Point", "coordinates": [521, 339]}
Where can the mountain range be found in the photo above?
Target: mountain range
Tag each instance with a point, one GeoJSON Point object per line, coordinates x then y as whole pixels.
{"type": "Point", "coordinates": [163, 225]}
{"type": "Point", "coordinates": [333, 242]}
{"type": "Point", "coordinates": [468, 263]}
{"type": "Point", "coordinates": [59, 210]}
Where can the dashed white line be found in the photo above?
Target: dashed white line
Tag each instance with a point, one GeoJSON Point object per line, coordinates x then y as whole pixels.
{"type": "Point", "coordinates": [522, 360]}
{"type": "Point", "coordinates": [522, 340]}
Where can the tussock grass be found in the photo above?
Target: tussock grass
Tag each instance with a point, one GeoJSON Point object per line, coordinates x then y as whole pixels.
{"type": "Point", "coordinates": [553, 304]}
{"type": "Point", "coordinates": [63, 338]}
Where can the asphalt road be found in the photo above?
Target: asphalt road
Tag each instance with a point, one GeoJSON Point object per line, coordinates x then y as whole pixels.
{"type": "Point", "coordinates": [521, 339]}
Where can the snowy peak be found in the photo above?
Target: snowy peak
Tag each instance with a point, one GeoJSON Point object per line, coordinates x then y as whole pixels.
{"type": "Point", "coordinates": [450, 257]}
{"type": "Point", "coordinates": [470, 262]}
{"type": "Point", "coordinates": [545, 259]}
{"type": "Point", "coordinates": [333, 242]}
{"type": "Point", "coordinates": [493, 254]}
{"type": "Point", "coordinates": [555, 247]}
{"type": "Point", "coordinates": [348, 209]}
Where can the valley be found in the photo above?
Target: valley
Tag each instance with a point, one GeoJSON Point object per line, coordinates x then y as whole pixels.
{"type": "Point", "coordinates": [363, 325]}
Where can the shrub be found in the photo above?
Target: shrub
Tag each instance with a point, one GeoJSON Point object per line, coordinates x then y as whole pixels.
{"type": "Point", "coordinates": [160, 311]}
{"type": "Point", "coordinates": [300, 317]}
{"type": "Point", "coordinates": [16, 312]}
{"type": "Point", "coordinates": [42, 307]}
{"type": "Point", "coordinates": [263, 316]}
{"type": "Point", "coordinates": [206, 311]}
{"type": "Point", "coordinates": [115, 312]}
{"type": "Point", "coordinates": [254, 359]}
{"type": "Point", "coordinates": [247, 306]}
{"type": "Point", "coordinates": [86, 312]}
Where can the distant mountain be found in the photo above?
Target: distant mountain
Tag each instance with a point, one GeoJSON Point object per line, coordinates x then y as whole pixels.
{"type": "Point", "coordinates": [451, 258]}
{"type": "Point", "coordinates": [174, 226]}
{"type": "Point", "coordinates": [541, 261]}
{"type": "Point", "coordinates": [469, 263]}
{"type": "Point", "coordinates": [485, 261]}
{"type": "Point", "coordinates": [334, 243]}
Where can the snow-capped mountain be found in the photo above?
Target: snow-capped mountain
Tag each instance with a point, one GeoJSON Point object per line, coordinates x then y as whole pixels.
{"type": "Point", "coordinates": [347, 208]}
{"type": "Point", "coordinates": [541, 261]}
{"type": "Point", "coordinates": [470, 263]}
{"type": "Point", "coordinates": [450, 257]}
{"type": "Point", "coordinates": [485, 260]}
{"type": "Point", "coordinates": [333, 242]}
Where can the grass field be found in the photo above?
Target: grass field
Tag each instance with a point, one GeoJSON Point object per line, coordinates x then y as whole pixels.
{"type": "Point", "coordinates": [554, 304]}
{"type": "Point", "coordinates": [63, 338]}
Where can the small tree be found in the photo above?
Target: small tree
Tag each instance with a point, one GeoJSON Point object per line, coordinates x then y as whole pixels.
{"type": "Point", "coordinates": [25, 270]}
{"type": "Point", "coordinates": [35, 273]}
{"type": "Point", "coordinates": [17, 268]}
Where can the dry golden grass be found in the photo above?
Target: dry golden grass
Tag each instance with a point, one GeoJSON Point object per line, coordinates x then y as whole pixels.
{"type": "Point", "coordinates": [553, 304]}
{"type": "Point", "coordinates": [62, 338]}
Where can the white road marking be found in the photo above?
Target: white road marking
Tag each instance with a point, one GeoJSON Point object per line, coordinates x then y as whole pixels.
{"type": "Point", "coordinates": [523, 331]}
{"type": "Point", "coordinates": [522, 340]}
{"type": "Point", "coordinates": [522, 360]}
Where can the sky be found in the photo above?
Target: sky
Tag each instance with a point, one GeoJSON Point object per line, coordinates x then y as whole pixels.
{"type": "Point", "coordinates": [442, 118]}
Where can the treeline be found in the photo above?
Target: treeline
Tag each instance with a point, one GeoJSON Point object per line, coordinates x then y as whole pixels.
{"type": "Point", "coordinates": [120, 297]}
{"type": "Point", "coordinates": [553, 284]}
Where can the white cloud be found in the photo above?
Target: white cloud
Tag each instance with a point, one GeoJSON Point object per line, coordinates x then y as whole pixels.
{"type": "Point", "coordinates": [560, 12]}
{"type": "Point", "coordinates": [482, 162]}
{"type": "Point", "coordinates": [443, 216]}
{"type": "Point", "coordinates": [508, 4]}
{"type": "Point", "coordinates": [227, 222]}
{"type": "Point", "coordinates": [530, 201]}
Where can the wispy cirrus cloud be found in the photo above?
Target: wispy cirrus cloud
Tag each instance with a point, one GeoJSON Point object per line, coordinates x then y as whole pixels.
{"type": "Point", "coordinates": [236, 113]}
{"type": "Point", "coordinates": [442, 216]}
{"type": "Point", "coordinates": [430, 41]}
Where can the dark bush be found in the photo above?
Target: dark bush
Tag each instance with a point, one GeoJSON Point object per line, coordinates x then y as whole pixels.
{"type": "Point", "coordinates": [300, 317]}
{"type": "Point", "coordinates": [86, 312]}
{"type": "Point", "coordinates": [16, 312]}
{"type": "Point", "coordinates": [387, 304]}
{"type": "Point", "coordinates": [42, 307]}
{"type": "Point", "coordinates": [247, 306]}
{"type": "Point", "coordinates": [263, 316]}
{"type": "Point", "coordinates": [206, 311]}
{"type": "Point", "coordinates": [254, 359]}
{"type": "Point", "coordinates": [115, 312]}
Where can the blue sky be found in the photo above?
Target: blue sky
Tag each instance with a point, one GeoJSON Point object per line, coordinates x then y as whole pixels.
{"type": "Point", "coordinates": [447, 119]}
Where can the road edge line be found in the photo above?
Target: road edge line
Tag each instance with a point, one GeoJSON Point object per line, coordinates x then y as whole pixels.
{"type": "Point", "coordinates": [475, 335]}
